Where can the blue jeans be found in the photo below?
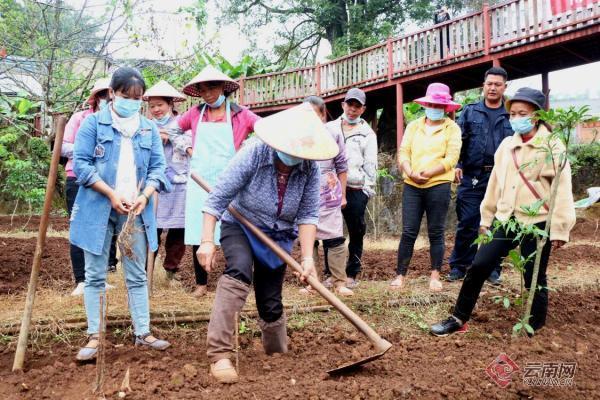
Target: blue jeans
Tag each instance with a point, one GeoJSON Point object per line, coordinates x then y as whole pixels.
{"type": "Point", "coordinates": [433, 201]}
{"type": "Point", "coordinates": [468, 201]}
{"type": "Point", "coordinates": [135, 277]}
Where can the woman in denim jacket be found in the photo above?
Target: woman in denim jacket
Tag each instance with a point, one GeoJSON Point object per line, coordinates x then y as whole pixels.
{"type": "Point", "coordinates": [119, 163]}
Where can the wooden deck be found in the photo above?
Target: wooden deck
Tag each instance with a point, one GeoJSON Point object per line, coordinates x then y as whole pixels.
{"type": "Point", "coordinates": [507, 29]}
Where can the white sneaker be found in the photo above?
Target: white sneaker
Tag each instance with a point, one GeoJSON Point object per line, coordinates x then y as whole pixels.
{"type": "Point", "coordinates": [78, 291]}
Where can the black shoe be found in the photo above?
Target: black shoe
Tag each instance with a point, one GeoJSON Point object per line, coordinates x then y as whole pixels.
{"type": "Point", "coordinates": [112, 268]}
{"type": "Point", "coordinates": [494, 278]}
{"type": "Point", "coordinates": [455, 275]}
{"type": "Point", "coordinates": [447, 327]}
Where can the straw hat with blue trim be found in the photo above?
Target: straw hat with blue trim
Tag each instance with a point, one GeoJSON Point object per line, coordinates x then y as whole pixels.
{"type": "Point", "coordinates": [210, 74]}
{"type": "Point", "coordinates": [298, 132]}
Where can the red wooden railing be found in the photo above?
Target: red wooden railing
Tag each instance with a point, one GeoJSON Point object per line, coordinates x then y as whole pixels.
{"type": "Point", "coordinates": [493, 29]}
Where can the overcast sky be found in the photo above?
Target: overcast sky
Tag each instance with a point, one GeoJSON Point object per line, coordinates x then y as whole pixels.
{"type": "Point", "coordinates": [231, 43]}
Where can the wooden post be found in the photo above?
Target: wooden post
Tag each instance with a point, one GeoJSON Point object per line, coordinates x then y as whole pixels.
{"type": "Point", "coordinates": [318, 78]}
{"type": "Point", "coordinates": [60, 123]}
{"type": "Point", "coordinates": [399, 115]}
{"type": "Point", "coordinates": [241, 91]}
{"type": "Point", "coordinates": [390, 54]}
{"type": "Point", "coordinates": [486, 28]}
{"type": "Point", "coordinates": [496, 62]}
{"type": "Point", "coordinates": [546, 89]}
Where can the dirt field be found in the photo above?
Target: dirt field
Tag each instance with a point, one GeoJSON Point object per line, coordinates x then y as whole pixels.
{"type": "Point", "coordinates": [418, 366]}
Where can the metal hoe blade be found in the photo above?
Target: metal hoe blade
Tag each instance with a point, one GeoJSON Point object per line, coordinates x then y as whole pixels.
{"type": "Point", "coordinates": [355, 365]}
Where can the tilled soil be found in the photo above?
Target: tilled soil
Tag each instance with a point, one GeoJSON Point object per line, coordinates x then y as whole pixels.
{"type": "Point", "coordinates": [31, 224]}
{"type": "Point", "coordinates": [16, 256]}
{"type": "Point", "coordinates": [418, 366]}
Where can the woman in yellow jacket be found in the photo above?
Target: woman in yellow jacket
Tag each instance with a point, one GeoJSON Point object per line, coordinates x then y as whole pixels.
{"type": "Point", "coordinates": [521, 177]}
{"type": "Point", "coordinates": [429, 151]}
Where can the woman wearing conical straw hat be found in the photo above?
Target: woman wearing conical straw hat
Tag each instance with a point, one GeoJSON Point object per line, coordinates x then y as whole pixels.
{"type": "Point", "coordinates": [275, 183]}
{"type": "Point", "coordinates": [219, 127]}
{"type": "Point", "coordinates": [170, 213]}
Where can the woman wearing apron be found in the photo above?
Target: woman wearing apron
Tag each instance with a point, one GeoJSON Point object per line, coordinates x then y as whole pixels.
{"type": "Point", "coordinates": [219, 128]}
{"type": "Point", "coordinates": [170, 213]}
{"type": "Point", "coordinates": [273, 182]}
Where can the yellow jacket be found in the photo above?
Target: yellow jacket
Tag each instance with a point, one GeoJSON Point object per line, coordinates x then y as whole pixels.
{"type": "Point", "coordinates": [506, 193]}
{"type": "Point", "coordinates": [423, 150]}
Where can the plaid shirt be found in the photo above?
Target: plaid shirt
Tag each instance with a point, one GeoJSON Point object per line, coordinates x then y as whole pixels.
{"type": "Point", "coordinates": [250, 184]}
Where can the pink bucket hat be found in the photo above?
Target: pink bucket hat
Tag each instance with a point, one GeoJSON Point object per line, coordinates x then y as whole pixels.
{"type": "Point", "coordinates": [438, 93]}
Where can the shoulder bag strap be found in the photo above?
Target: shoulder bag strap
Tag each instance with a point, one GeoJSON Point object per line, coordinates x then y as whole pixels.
{"type": "Point", "coordinates": [526, 181]}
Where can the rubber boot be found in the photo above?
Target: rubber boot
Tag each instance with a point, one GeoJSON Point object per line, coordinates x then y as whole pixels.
{"type": "Point", "coordinates": [230, 297]}
{"type": "Point", "coordinates": [274, 335]}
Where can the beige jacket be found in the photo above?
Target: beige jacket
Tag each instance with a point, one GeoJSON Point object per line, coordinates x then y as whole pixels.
{"type": "Point", "coordinates": [506, 193]}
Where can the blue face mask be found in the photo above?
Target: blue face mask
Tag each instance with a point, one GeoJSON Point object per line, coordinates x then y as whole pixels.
{"type": "Point", "coordinates": [102, 104]}
{"type": "Point", "coordinates": [126, 107]}
{"type": "Point", "coordinates": [434, 114]}
{"type": "Point", "coordinates": [162, 121]}
{"type": "Point", "coordinates": [350, 121]}
{"type": "Point", "coordinates": [521, 126]}
{"type": "Point", "coordinates": [288, 160]}
{"type": "Point", "coordinates": [218, 103]}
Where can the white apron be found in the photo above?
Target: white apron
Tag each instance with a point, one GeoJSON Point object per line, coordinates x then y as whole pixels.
{"type": "Point", "coordinates": [213, 149]}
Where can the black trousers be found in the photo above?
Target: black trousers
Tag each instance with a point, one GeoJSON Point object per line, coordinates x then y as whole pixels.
{"type": "Point", "coordinates": [487, 258]}
{"type": "Point", "coordinates": [354, 215]}
{"type": "Point", "coordinates": [77, 260]}
{"type": "Point", "coordinates": [434, 202]}
{"type": "Point", "coordinates": [243, 266]}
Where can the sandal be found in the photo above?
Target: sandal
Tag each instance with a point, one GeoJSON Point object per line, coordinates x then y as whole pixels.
{"type": "Point", "coordinates": [90, 350]}
{"type": "Point", "coordinates": [147, 340]}
{"type": "Point", "coordinates": [398, 283]}
{"type": "Point", "coordinates": [343, 291]}
{"type": "Point", "coordinates": [308, 291]}
{"type": "Point", "coordinates": [435, 285]}
{"type": "Point", "coordinates": [200, 291]}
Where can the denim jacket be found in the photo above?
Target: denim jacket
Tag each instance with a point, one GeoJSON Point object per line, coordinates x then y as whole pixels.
{"type": "Point", "coordinates": [474, 124]}
{"type": "Point", "coordinates": [95, 158]}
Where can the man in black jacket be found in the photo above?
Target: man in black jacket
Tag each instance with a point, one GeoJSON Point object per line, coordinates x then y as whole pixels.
{"type": "Point", "coordinates": [484, 125]}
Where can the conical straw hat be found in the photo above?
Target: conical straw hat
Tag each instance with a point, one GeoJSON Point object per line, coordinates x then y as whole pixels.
{"type": "Point", "coordinates": [299, 132]}
{"type": "Point", "coordinates": [163, 89]}
{"type": "Point", "coordinates": [100, 85]}
{"type": "Point", "coordinates": [210, 74]}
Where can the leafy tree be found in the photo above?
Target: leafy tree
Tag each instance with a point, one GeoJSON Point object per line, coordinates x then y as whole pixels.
{"type": "Point", "coordinates": [349, 25]}
{"type": "Point", "coordinates": [24, 160]}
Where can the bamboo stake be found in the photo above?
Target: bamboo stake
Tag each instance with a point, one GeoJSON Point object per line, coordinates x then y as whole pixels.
{"type": "Point", "coordinates": [39, 246]}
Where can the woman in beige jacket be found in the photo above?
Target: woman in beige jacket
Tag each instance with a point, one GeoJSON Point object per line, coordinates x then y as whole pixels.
{"type": "Point", "coordinates": [508, 194]}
